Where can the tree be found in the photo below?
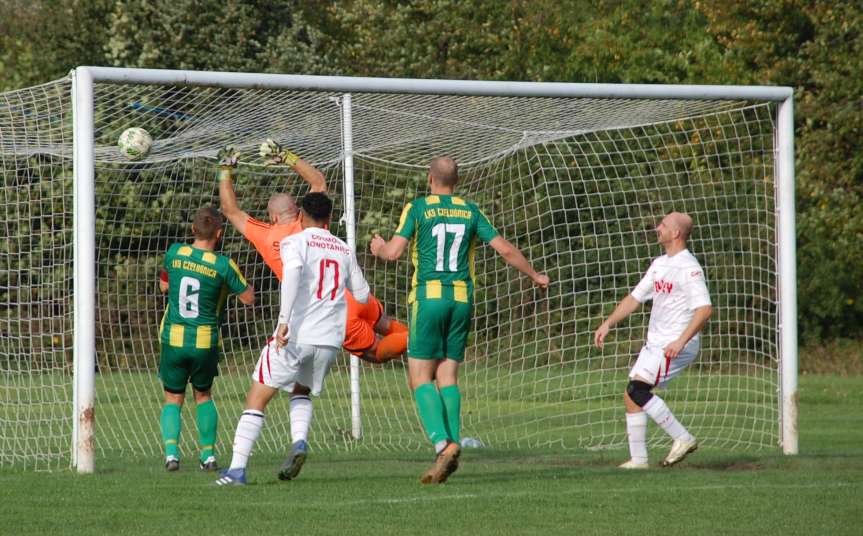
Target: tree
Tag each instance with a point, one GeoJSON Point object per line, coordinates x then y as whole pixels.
{"type": "Point", "coordinates": [817, 48]}
{"type": "Point", "coordinates": [260, 36]}
{"type": "Point", "coordinates": [47, 38]}
{"type": "Point", "coordinates": [814, 47]}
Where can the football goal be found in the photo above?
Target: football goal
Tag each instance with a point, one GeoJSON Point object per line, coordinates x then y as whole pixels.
{"type": "Point", "coordinates": [576, 175]}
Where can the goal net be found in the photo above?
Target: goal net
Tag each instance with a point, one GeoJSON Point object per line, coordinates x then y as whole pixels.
{"type": "Point", "coordinates": [577, 183]}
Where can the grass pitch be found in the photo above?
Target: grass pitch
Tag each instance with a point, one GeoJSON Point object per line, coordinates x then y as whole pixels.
{"type": "Point", "coordinates": [495, 492]}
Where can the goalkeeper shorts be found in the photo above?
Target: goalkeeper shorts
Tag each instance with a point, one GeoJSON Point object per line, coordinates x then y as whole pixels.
{"type": "Point", "coordinates": [439, 329]}
{"type": "Point", "coordinates": [179, 366]}
{"type": "Point", "coordinates": [304, 364]}
{"type": "Point", "coordinates": [653, 366]}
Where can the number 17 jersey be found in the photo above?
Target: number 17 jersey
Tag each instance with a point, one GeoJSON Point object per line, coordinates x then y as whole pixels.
{"type": "Point", "coordinates": [327, 266]}
{"type": "Point", "coordinates": [443, 231]}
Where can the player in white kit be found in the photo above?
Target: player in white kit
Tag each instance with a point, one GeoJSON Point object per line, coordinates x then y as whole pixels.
{"type": "Point", "coordinates": [317, 268]}
{"type": "Point", "coordinates": [681, 307]}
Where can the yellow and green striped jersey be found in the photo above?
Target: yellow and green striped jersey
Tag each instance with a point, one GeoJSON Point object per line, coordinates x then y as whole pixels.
{"type": "Point", "coordinates": [199, 282]}
{"type": "Point", "coordinates": [443, 230]}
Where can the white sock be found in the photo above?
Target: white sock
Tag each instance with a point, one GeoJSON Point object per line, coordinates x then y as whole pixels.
{"type": "Point", "coordinates": [439, 446]}
{"type": "Point", "coordinates": [248, 430]}
{"type": "Point", "coordinates": [636, 431]}
{"type": "Point", "coordinates": [301, 417]}
{"type": "Point", "coordinates": [659, 412]}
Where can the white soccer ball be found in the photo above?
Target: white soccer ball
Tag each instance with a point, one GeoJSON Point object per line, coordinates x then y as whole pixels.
{"type": "Point", "coordinates": [471, 443]}
{"type": "Point", "coordinates": [135, 143]}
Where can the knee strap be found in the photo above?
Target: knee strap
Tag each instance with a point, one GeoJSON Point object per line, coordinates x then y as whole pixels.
{"type": "Point", "coordinates": [639, 392]}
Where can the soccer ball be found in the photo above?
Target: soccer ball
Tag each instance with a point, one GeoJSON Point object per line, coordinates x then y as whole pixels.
{"type": "Point", "coordinates": [134, 143]}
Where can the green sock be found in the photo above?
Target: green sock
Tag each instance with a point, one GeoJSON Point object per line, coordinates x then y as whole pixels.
{"type": "Point", "coordinates": [431, 412]}
{"type": "Point", "coordinates": [451, 398]}
{"type": "Point", "coordinates": [208, 423]}
{"type": "Point", "coordinates": [170, 425]}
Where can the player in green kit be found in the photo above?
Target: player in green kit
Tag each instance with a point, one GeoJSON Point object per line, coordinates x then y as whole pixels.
{"type": "Point", "coordinates": [197, 281]}
{"type": "Point", "coordinates": [443, 229]}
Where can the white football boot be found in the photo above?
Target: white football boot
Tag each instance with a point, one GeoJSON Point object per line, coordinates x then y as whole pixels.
{"type": "Point", "coordinates": [679, 450]}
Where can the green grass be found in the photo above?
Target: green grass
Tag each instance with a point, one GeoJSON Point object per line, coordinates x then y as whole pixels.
{"type": "Point", "coordinates": [578, 408]}
{"type": "Point", "coordinates": [557, 405]}
{"type": "Point", "coordinates": [495, 491]}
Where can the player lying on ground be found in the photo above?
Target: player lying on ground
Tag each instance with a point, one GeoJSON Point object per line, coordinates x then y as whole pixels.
{"type": "Point", "coordinates": [681, 307]}
{"type": "Point", "coordinates": [369, 334]}
{"type": "Point", "coordinates": [444, 228]}
{"type": "Point", "coordinates": [318, 268]}
{"type": "Point", "coordinates": [196, 280]}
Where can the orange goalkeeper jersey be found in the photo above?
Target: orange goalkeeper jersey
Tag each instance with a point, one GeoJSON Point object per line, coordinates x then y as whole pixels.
{"type": "Point", "coordinates": [266, 238]}
{"type": "Point", "coordinates": [359, 331]}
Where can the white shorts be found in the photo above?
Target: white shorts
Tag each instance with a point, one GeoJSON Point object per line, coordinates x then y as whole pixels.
{"type": "Point", "coordinates": [652, 365]}
{"type": "Point", "coordinates": [305, 364]}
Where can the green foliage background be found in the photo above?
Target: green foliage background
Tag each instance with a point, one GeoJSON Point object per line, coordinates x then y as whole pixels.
{"type": "Point", "coordinates": [814, 47]}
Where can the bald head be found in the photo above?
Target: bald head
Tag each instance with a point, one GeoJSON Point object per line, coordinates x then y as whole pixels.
{"type": "Point", "coordinates": [444, 171]}
{"type": "Point", "coordinates": [682, 222]}
{"type": "Point", "coordinates": [673, 232]}
{"type": "Point", "coordinates": [282, 208]}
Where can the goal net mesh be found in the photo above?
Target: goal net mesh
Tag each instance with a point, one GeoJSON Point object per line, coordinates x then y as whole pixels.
{"type": "Point", "coordinates": [577, 184]}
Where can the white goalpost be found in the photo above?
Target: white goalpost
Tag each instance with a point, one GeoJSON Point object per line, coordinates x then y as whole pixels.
{"type": "Point", "coordinates": [576, 175]}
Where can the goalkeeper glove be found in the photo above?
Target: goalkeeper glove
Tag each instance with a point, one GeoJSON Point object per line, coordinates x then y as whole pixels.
{"type": "Point", "coordinates": [228, 157]}
{"type": "Point", "coordinates": [274, 154]}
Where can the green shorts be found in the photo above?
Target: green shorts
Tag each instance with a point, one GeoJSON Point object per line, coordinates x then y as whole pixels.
{"type": "Point", "coordinates": [179, 366]}
{"type": "Point", "coordinates": [439, 329]}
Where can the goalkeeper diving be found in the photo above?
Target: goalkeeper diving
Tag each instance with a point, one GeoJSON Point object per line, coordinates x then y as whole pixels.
{"type": "Point", "coordinates": [369, 333]}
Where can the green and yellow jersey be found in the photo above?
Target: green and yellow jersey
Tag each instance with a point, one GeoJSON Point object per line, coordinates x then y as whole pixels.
{"type": "Point", "coordinates": [443, 230]}
{"type": "Point", "coordinates": [199, 282]}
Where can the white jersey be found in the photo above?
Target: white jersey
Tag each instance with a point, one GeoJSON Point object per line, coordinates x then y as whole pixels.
{"type": "Point", "coordinates": [317, 268]}
{"type": "Point", "coordinates": [676, 286]}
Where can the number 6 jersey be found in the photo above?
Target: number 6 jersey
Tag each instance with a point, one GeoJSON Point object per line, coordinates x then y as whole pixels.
{"type": "Point", "coordinates": [317, 267]}
{"type": "Point", "coordinates": [198, 285]}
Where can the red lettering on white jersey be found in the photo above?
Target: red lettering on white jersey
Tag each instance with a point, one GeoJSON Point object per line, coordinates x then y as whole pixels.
{"type": "Point", "coordinates": [663, 286]}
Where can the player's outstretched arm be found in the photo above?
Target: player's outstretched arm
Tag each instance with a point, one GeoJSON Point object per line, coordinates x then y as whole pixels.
{"type": "Point", "coordinates": [274, 154]}
{"type": "Point", "coordinates": [312, 175]}
{"type": "Point", "coordinates": [388, 251]}
{"type": "Point", "coordinates": [229, 157]}
{"type": "Point", "coordinates": [626, 307]}
{"type": "Point", "coordinates": [515, 258]}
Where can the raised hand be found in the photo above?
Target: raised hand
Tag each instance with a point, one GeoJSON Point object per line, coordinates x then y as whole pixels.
{"type": "Point", "coordinates": [274, 154]}
{"type": "Point", "coordinates": [228, 157]}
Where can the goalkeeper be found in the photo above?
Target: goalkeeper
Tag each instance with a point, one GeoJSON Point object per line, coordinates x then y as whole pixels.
{"type": "Point", "coordinates": [369, 333]}
{"type": "Point", "coordinates": [196, 280]}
